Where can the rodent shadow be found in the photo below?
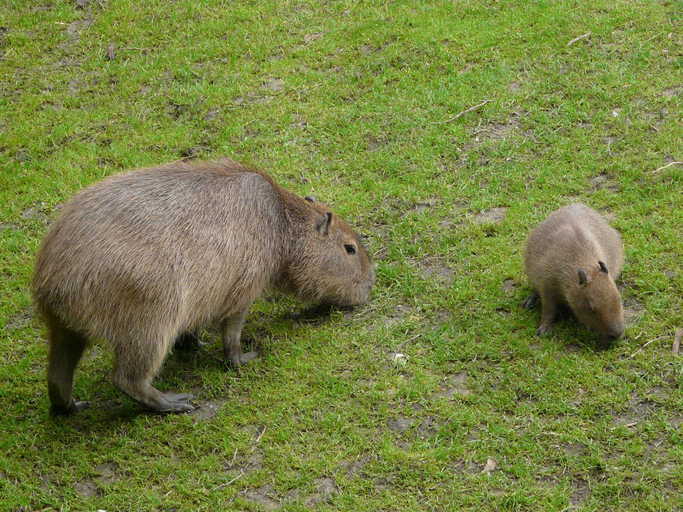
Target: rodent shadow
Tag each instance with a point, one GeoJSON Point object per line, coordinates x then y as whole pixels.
{"type": "Point", "coordinates": [571, 334]}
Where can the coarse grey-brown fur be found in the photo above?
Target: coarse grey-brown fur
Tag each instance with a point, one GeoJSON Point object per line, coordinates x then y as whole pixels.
{"type": "Point", "coordinates": [141, 257]}
{"type": "Point", "coordinates": [574, 257]}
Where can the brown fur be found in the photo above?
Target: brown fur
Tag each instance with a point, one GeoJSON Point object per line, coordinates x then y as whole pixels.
{"type": "Point", "coordinates": [562, 261]}
{"type": "Point", "coordinates": [143, 256]}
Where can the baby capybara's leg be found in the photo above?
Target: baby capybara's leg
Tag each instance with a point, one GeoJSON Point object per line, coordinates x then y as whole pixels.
{"type": "Point", "coordinates": [66, 349]}
{"type": "Point", "coordinates": [137, 363]}
{"type": "Point", "coordinates": [232, 346]}
{"type": "Point", "coordinates": [549, 306]}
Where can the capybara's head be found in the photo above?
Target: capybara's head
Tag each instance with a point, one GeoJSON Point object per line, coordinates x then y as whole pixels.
{"type": "Point", "coordinates": [597, 303]}
{"type": "Point", "coordinates": [330, 264]}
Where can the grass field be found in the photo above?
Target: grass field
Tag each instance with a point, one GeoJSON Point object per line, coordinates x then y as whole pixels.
{"type": "Point", "coordinates": [436, 396]}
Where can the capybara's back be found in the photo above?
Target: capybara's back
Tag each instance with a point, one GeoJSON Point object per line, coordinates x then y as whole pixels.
{"type": "Point", "coordinates": [143, 256]}
{"type": "Point", "coordinates": [573, 257]}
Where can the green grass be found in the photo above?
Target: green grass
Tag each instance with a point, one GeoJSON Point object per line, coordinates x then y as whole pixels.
{"type": "Point", "coordinates": [352, 101]}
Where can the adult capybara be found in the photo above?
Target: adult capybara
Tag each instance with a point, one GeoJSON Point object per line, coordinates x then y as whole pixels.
{"type": "Point", "coordinates": [141, 257]}
{"type": "Point", "coordinates": [573, 258]}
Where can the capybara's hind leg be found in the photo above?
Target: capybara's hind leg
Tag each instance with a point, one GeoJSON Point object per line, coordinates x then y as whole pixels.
{"type": "Point", "coordinates": [66, 349]}
{"type": "Point", "coordinates": [136, 365]}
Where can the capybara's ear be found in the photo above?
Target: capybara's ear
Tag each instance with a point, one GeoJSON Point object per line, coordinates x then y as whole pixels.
{"type": "Point", "coordinates": [583, 279]}
{"type": "Point", "coordinates": [310, 199]}
{"type": "Point", "coordinates": [603, 267]}
{"type": "Point", "coordinates": [323, 224]}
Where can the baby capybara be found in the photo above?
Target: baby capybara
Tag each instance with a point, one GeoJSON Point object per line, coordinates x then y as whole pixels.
{"type": "Point", "coordinates": [573, 258]}
{"type": "Point", "coordinates": [141, 257]}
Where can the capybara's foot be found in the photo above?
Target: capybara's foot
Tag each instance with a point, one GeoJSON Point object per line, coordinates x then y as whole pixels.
{"type": "Point", "coordinates": [531, 301]}
{"type": "Point", "coordinates": [73, 407]}
{"type": "Point", "coordinates": [237, 360]}
{"type": "Point", "coordinates": [543, 329]}
{"type": "Point", "coordinates": [174, 403]}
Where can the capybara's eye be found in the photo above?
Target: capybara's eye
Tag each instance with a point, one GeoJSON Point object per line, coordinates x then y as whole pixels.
{"type": "Point", "coordinates": [350, 249]}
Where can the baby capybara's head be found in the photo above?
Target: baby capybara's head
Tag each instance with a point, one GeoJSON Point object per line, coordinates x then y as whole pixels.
{"type": "Point", "coordinates": [597, 303]}
{"type": "Point", "coordinates": [330, 264]}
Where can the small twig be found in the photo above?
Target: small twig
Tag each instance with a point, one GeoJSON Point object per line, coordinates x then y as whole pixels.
{"type": "Point", "coordinates": [665, 166]}
{"type": "Point", "coordinates": [228, 483]}
{"type": "Point", "coordinates": [475, 107]}
{"type": "Point", "coordinates": [641, 348]}
{"type": "Point", "coordinates": [677, 341]}
{"type": "Point", "coordinates": [260, 434]}
{"type": "Point", "coordinates": [576, 39]}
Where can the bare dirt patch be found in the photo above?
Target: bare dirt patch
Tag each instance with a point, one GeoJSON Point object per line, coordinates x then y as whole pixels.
{"type": "Point", "coordinates": [400, 424]}
{"type": "Point", "coordinates": [108, 473]}
{"type": "Point", "coordinates": [492, 216]}
{"type": "Point", "coordinates": [604, 182]}
{"type": "Point", "coordinates": [633, 310]}
{"type": "Point", "coordinates": [274, 84]}
{"type": "Point", "coordinates": [375, 143]}
{"type": "Point", "coordinates": [436, 270]}
{"type": "Point", "coordinates": [325, 488]}
{"type": "Point", "coordinates": [454, 385]}
{"type": "Point", "coordinates": [207, 409]}
{"type": "Point", "coordinates": [428, 428]}
{"type": "Point", "coordinates": [574, 449]}
{"type": "Point", "coordinates": [87, 488]}
{"type": "Point", "coordinates": [20, 320]}
{"type": "Point", "coordinates": [638, 409]}
{"type": "Point", "coordinates": [38, 212]}
{"type": "Point", "coordinates": [580, 493]}
{"type": "Point", "coordinates": [509, 286]}
{"type": "Point", "coordinates": [672, 92]}
{"type": "Point", "coordinates": [398, 314]}
{"type": "Point", "coordinates": [354, 467]}
{"type": "Point", "coordinates": [264, 496]}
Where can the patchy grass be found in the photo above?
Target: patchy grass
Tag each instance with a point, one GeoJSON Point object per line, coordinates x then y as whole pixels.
{"type": "Point", "coordinates": [436, 396]}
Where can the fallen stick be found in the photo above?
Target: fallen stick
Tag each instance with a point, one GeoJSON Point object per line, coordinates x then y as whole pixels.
{"type": "Point", "coordinates": [456, 116]}
{"type": "Point", "coordinates": [677, 341]}
{"type": "Point", "coordinates": [576, 39]}
{"type": "Point", "coordinates": [228, 483]}
{"type": "Point", "coordinates": [665, 166]}
{"type": "Point", "coordinates": [641, 348]}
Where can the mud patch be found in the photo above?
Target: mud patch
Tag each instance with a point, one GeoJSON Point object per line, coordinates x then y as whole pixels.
{"type": "Point", "coordinates": [574, 449]}
{"type": "Point", "coordinates": [638, 410]}
{"type": "Point", "coordinates": [325, 489]}
{"type": "Point", "coordinates": [436, 270]}
{"type": "Point", "coordinates": [207, 409]}
{"type": "Point", "coordinates": [428, 428]}
{"type": "Point", "coordinates": [422, 206]}
{"type": "Point", "coordinates": [580, 492]}
{"type": "Point", "coordinates": [274, 84]}
{"type": "Point", "coordinates": [633, 311]}
{"type": "Point", "coordinates": [604, 182]}
{"type": "Point", "coordinates": [264, 496]}
{"type": "Point", "coordinates": [672, 92]}
{"type": "Point", "coordinates": [8, 225]}
{"type": "Point", "coordinates": [353, 468]}
{"type": "Point", "coordinates": [374, 143]}
{"type": "Point", "coordinates": [509, 286]}
{"type": "Point", "coordinates": [454, 385]}
{"type": "Point", "coordinates": [400, 424]}
{"type": "Point", "coordinates": [37, 212]}
{"type": "Point", "coordinates": [108, 474]}
{"type": "Point", "coordinates": [87, 488]}
{"type": "Point", "coordinates": [20, 320]}
{"type": "Point", "coordinates": [399, 313]}
{"type": "Point", "coordinates": [492, 216]}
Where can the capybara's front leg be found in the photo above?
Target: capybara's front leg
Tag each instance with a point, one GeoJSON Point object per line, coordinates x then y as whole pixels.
{"type": "Point", "coordinates": [232, 346]}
